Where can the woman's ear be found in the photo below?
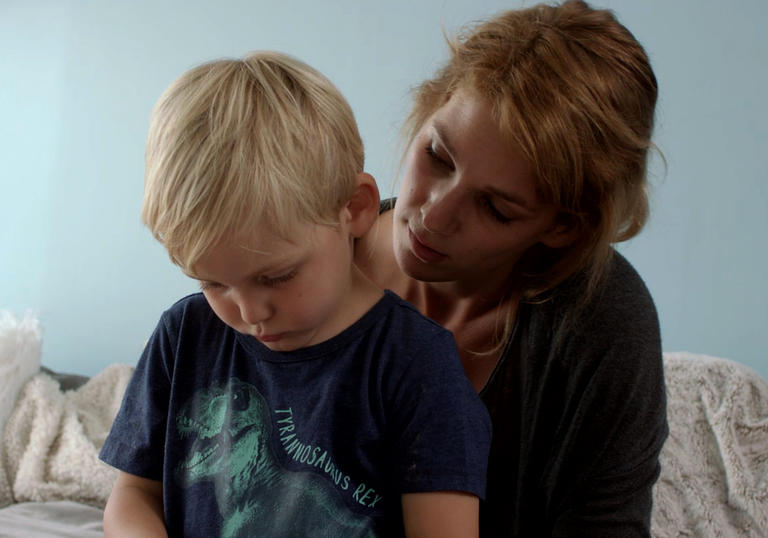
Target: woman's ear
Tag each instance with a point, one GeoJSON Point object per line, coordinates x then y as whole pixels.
{"type": "Point", "coordinates": [363, 205]}
{"type": "Point", "coordinates": [564, 231]}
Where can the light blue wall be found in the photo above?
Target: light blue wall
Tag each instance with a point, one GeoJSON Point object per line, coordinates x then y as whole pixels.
{"type": "Point", "coordinates": [78, 80]}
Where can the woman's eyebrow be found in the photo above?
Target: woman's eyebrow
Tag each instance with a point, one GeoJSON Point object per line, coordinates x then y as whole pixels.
{"type": "Point", "coordinates": [442, 135]}
{"type": "Point", "coordinates": [510, 197]}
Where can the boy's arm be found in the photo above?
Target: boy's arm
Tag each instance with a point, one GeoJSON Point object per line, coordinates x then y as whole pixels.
{"type": "Point", "coordinates": [135, 508]}
{"type": "Point", "coordinates": [441, 514]}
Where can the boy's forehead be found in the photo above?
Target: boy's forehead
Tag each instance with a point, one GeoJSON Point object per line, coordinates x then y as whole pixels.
{"type": "Point", "coordinates": [246, 253]}
{"type": "Point", "coordinates": [267, 243]}
{"type": "Point", "coordinates": [266, 239]}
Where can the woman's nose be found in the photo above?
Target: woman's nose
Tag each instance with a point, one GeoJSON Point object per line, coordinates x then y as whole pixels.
{"type": "Point", "coordinates": [441, 212]}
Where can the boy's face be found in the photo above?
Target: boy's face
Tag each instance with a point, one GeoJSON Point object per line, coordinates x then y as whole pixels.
{"type": "Point", "coordinates": [286, 294]}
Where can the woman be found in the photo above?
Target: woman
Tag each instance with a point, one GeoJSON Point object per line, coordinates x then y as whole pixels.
{"type": "Point", "coordinates": [527, 162]}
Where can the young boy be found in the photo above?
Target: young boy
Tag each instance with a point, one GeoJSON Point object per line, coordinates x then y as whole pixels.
{"type": "Point", "coordinates": [292, 397]}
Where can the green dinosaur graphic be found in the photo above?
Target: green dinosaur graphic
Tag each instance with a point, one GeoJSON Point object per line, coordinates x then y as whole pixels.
{"type": "Point", "coordinates": [254, 494]}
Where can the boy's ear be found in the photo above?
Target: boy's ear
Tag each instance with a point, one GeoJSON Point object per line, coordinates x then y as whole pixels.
{"type": "Point", "coordinates": [363, 205]}
{"type": "Point", "coordinates": [563, 232]}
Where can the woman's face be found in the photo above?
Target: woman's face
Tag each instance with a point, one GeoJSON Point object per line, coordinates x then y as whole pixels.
{"type": "Point", "coordinates": [467, 207]}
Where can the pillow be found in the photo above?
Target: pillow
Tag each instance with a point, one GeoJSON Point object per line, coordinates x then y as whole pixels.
{"type": "Point", "coordinates": [20, 342]}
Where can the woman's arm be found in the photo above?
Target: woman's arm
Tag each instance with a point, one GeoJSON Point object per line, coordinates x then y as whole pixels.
{"type": "Point", "coordinates": [617, 424]}
{"type": "Point", "coordinates": [441, 514]}
{"type": "Point", "coordinates": [135, 508]}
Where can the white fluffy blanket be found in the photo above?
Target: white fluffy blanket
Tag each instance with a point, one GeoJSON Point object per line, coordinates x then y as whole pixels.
{"type": "Point", "coordinates": [50, 442]}
{"type": "Point", "coordinates": [52, 439]}
{"type": "Point", "coordinates": [714, 465]}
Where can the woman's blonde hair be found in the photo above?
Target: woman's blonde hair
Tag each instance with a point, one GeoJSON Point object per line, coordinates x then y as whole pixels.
{"type": "Point", "coordinates": [574, 90]}
{"type": "Point", "coordinates": [239, 143]}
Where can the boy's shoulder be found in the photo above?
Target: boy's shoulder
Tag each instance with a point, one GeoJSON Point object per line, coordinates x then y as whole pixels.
{"type": "Point", "coordinates": [409, 313]}
{"type": "Point", "coordinates": [190, 310]}
{"type": "Point", "coordinates": [409, 333]}
{"type": "Point", "coordinates": [194, 302]}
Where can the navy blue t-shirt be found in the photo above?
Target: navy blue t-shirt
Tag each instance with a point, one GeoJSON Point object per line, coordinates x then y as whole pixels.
{"type": "Point", "coordinates": [320, 441]}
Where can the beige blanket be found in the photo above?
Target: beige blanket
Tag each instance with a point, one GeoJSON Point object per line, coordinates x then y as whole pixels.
{"type": "Point", "coordinates": [714, 466]}
{"type": "Point", "coordinates": [51, 441]}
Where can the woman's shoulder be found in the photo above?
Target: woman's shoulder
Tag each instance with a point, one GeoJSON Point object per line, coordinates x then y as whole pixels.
{"type": "Point", "coordinates": [623, 290]}
{"type": "Point", "coordinates": [620, 312]}
{"type": "Point", "coordinates": [620, 290]}
{"type": "Point", "coordinates": [386, 205]}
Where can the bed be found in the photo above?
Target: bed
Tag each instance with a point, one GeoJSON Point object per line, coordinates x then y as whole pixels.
{"type": "Point", "coordinates": [714, 479]}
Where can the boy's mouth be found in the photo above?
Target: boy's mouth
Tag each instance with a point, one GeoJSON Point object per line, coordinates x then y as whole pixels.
{"type": "Point", "coordinates": [267, 338]}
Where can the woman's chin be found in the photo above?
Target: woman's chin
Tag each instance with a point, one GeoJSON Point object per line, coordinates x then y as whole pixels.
{"type": "Point", "coordinates": [415, 268]}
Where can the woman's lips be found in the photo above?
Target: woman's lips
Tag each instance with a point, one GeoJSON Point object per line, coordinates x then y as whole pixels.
{"type": "Point", "coordinates": [424, 252]}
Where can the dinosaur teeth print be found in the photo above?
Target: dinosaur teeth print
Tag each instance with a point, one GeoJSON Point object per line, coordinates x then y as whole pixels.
{"type": "Point", "coordinates": [255, 495]}
{"type": "Point", "coordinates": [201, 457]}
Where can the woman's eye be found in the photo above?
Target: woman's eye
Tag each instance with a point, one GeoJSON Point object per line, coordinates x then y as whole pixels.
{"type": "Point", "coordinates": [495, 213]}
{"type": "Point", "coordinates": [277, 280]}
{"type": "Point", "coordinates": [436, 158]}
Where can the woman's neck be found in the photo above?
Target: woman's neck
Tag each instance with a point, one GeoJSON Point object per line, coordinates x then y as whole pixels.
{"type": "Point", "coordinates": [477, 324]}
{"type": "Point", "coordinates": [475, 312]}
{"type": "Point", "coordinates": [451, 304]}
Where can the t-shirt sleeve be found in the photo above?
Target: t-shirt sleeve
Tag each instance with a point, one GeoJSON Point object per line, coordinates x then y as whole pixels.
{"type": "Point", "coordinates": [617, 402]}
{"type": "Point", "coordinates": [135, 442]}
{"type": "Point", "coordinates": [442, 427]}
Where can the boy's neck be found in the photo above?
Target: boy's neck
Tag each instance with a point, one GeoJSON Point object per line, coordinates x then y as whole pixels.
{"type": "Point", "coordinates": [363, 295]}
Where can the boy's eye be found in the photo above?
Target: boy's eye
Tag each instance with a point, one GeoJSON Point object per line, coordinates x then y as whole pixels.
{"type": "Point", "coordinates": [207, 286]}
{"type": "Point", "coordinates": [277, 280]}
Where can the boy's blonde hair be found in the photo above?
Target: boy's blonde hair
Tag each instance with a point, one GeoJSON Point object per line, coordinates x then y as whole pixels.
{"type": "Point", "coordinates": [238, 143]}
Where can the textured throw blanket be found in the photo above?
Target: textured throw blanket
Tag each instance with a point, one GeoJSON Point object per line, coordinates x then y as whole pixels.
{"type": "Point", "coordinates": [714, 465]}
{"type": "Point", "coordinates": [51, 441]}
{"type": "Point", "coordinates": [50, 437]}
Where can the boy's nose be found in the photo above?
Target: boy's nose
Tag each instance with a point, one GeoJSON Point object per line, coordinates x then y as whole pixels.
{"type": "Point", "coordinates": [254, 310]}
